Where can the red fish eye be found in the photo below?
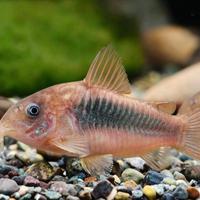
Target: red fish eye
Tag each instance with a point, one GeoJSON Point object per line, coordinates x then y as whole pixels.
{"type": "Point", "coordinates": [33, 110]}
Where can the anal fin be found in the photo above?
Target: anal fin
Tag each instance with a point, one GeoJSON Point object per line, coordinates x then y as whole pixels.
{"type": "Point", "coordinates": [158, 159]}
{"type": "Point", "coordinates": [97, 164]}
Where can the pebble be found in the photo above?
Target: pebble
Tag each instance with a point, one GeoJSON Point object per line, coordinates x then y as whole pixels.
{"type": "Point", "coordinates": [63, 188]}
{"type": "Point", "coordinates": [153, 178]}
{"type": "Point", "coordinates": [86, 193]}
{"type": "Point", "coordinates": [169, 187]}
{"type": "Point", "coordinates": [26, 197]}
{"type": "Point", "coordinates": [70, 197]}
{"type": "Point", "coordinates": [123, 188]}
{"type": "Point", "coordinates": [4, 197]}
{"type": "Point", "coordinates": [167, 173]}
{"type": "Point", "coordinates": [52, 195]}
{"type": "Point", "coordinates": [41, 170]}
{"type": "Point", "coordinates": [192, 172]}
{"type": "Point", "coordinates": [137, 194]}
{"type": "Point", "coordinates": [22, 191]}
{"type": "Point", "coordinates": [31, 181]}
{"type": "Point", "coordinates": [8, 186]}
{"type": "Point", "coordinates": [116, 179]}
{"type": "Point", "coordinates": [104, 189]}
{"type": "Point", "coordinates": [182, 182]}
{"type": "Point", "coordinates": [179, 176]}
{"type": "Point", "coordinates": [40, 197]}
{"type": "Point", "coordinates": [193, 193]}
{"type": "Point", "coordinates": [19, 179]}
{"type": "Point", "coordinates": [136, 162]}
{"type": "Point", "coordinates": [169, 181]}
{"type": "Point", "coordinates": [130, 184]}
{"type": "Point", "coordinates": [180, 193]}
{"type": "Point", "coordinates": [5, 169]}
{"type": "Point", "coordinates": [167, 196]}
{"type": "Point", "coordinates": [122, 196]}
{"type": "Point", "coordinates": [149, 192]}
{"type": "Point", "coordinates": [132, 174]}
{"type": "Point", "coordinates": [159, 189]}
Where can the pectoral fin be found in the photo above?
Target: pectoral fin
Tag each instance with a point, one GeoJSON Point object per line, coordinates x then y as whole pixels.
{"type": "Point", "coordinates": [75, 144]}
{"type": "Point", "coordinates": [157, 160]}
{"type": "Point", "coordinates": [98, 164]}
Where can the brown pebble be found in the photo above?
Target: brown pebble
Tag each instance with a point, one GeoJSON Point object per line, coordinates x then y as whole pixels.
{"type": "Point", "coordinates": [90, 179]}
{"type": "Point", "coordinates": [193, 193]}
{"type": "Point", "coordinates": [130, 184]}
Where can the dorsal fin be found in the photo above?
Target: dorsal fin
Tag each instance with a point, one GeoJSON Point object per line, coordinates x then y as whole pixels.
{"type": "Point", "coordinates": [107, 72]}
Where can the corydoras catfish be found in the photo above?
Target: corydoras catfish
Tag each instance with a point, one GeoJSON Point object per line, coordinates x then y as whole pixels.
{"type": "Point", "coordinates": [97, 118]}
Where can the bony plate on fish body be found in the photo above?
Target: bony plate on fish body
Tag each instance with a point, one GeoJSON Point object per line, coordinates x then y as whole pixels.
{"type": "Point", "coordinates": [97, 118]}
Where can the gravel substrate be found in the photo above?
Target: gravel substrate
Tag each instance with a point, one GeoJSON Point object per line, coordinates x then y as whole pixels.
{"type": "Point", "coordinates": [26, 174]}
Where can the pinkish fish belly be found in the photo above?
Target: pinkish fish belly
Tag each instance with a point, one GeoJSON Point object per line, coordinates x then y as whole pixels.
{"type": "Point", "coordinates": [122, 126]}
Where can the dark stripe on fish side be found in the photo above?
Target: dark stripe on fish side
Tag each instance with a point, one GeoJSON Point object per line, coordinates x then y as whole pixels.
{"type": "Point", "coordinates": [103, 113]}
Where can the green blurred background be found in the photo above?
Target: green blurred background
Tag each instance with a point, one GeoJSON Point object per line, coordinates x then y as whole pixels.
{"type": "Point", "coordinates": [43, 43]}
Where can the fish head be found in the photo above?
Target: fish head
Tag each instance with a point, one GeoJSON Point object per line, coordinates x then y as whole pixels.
{"type": "Point", "coordinates": [32, 119]}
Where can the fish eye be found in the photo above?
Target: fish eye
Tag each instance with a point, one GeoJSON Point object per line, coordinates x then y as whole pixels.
{"type": "Point", "coordinates": [33, 110]}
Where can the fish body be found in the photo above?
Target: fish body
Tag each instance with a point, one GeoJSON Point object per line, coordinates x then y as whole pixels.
{"type": "Point", "coordinates": [97, 118]}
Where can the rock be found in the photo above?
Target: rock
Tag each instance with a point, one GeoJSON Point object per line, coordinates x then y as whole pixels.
{"type": "Point", "coordinates": [130, 184]}
{"type": "Point", "coordinates": [132, 174]}
{"type": "Point", "coordinates": [136, 162]}
{"type": "Point", "coordinates": [122, 188]}
{"type": "Point", "coordinates": [26, 197]}
{"type": "Point", "coordinates": [193, 182]}
{"type": "Point", "coordinates": [119, 166]}
{"type": "Point", "coordinates": [169, 181]}
{"type": "Point", "coordinates": [69, 197]}
{"type": "Point", "coordinates": [5, 169]}
{"type": "Point", "coordinates": [104, 189]}
{"type": "Point", "coordinates": [192, 172]}
{"type": "Point", "coordinates": [59, 178]}
{"type": "Point", "coordinates": [167, 173]}
{"type": "Point", "coordinates": [180, 193]}
{"type": "Point", "coordinates": [159, 189]}
{"type": "Point", "coordinates": [40, 197]}
{"type": "Point", "coordinates": [4, 197]}
{"type": "Point", "coordinates": [52, 195]}
{"type": "Point", "coordinates": [86, 194]}
{"type": "Point", "coordinates": [41, 170]}
{"type": "Point", "coordinates": [22, 191]}
{"type": "Point", "coordinates": [182, 182]}
{"type": "Point", "coordinates": [167, 196]}
{"type": "Point", "coordinates": [19, 179]}
{"type": "Point", "coordinates": [149, 192]}
{"type": "Point", "coordinates": [153, 178]}
{"type": "Point", "coordinates": [116, 179]}
{"type": "Point", "coordinates": [137, 194]}
{"type": "Point", "coordinates": [122, 196]}
{"type": "Point", "coordinates": [169, 188]}
{"type": "Point", "coordinates": [184, 157]}
{"type": "Point", "coordinates": [8, 186]}
{"type": "Point", "coordinates": [63, 188]}
{"type": "Point", "coordinates": [31, 181]}
{"type": "Point", "coordinates": [90, 179]}
{"type": "Point", "coordinates": [193, 193]}
{"type": "Point", "coordinates": [179, 176]}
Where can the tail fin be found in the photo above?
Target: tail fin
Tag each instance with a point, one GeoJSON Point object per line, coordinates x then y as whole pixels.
{"type": "Point", "coordinates": [190, 143]}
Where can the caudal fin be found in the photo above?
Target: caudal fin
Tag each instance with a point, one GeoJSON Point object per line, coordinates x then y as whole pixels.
{"type": "Point", "coordinates": [190, 142]}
